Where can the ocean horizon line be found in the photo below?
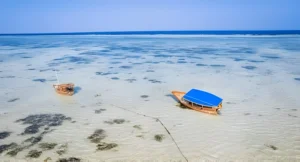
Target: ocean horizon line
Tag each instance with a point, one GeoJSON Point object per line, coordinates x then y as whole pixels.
{"type": "Point", "coordinates": [167, 32]}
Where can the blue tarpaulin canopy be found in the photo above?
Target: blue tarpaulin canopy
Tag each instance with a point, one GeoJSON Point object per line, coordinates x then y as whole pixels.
{"type": "Point", "coordinates": [202, 98]}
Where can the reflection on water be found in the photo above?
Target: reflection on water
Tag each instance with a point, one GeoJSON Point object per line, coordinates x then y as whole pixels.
{"type": "Point", "coordinates": [65, 99]}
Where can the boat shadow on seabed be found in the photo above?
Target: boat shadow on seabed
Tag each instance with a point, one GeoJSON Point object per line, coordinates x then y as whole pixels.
{"type": "Point", "coordinates": [77, 89]}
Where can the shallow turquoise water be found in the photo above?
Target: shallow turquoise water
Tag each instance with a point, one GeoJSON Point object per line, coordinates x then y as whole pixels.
{"type": "Point", "coordinates": [258, 78]}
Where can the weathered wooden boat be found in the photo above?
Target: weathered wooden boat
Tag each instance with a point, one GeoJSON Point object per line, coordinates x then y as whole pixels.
{"type": "Point", "coordinates": [64, 89]}
{"type": "Point", "coordinates": [200, 101]}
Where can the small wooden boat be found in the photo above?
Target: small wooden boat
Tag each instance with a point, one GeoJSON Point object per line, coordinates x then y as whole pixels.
{"type": "Point", "coordinates": [64, 89]}
{"type": "Point", "coordinates": [200, 101]}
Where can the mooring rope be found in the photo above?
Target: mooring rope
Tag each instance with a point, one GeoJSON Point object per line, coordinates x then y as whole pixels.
{"type": "Point", "coordinates": [56, 77]}
{"type": "Point", "coordinates": [157, 119]}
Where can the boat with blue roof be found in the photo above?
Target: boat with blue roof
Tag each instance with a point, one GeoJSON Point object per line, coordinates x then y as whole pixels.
{"type": "Point", "coordinates": [200, 101]}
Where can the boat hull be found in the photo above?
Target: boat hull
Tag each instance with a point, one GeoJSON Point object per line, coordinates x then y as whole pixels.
{"type": "Point", "coordinates": [209, 110]}
{"type": "Point", "coordinates": [64, 89]}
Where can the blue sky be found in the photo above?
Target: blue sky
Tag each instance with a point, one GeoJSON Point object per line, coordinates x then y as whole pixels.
{"type": "Point", "coordinates": [34, 16]}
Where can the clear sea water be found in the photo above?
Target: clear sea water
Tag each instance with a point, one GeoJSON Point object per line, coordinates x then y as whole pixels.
{"type": "Point", "coordinates": [125, 76]}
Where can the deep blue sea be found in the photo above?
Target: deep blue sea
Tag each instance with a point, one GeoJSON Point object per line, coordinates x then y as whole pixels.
{"type": "Point", "coordinates": [204, 32]}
